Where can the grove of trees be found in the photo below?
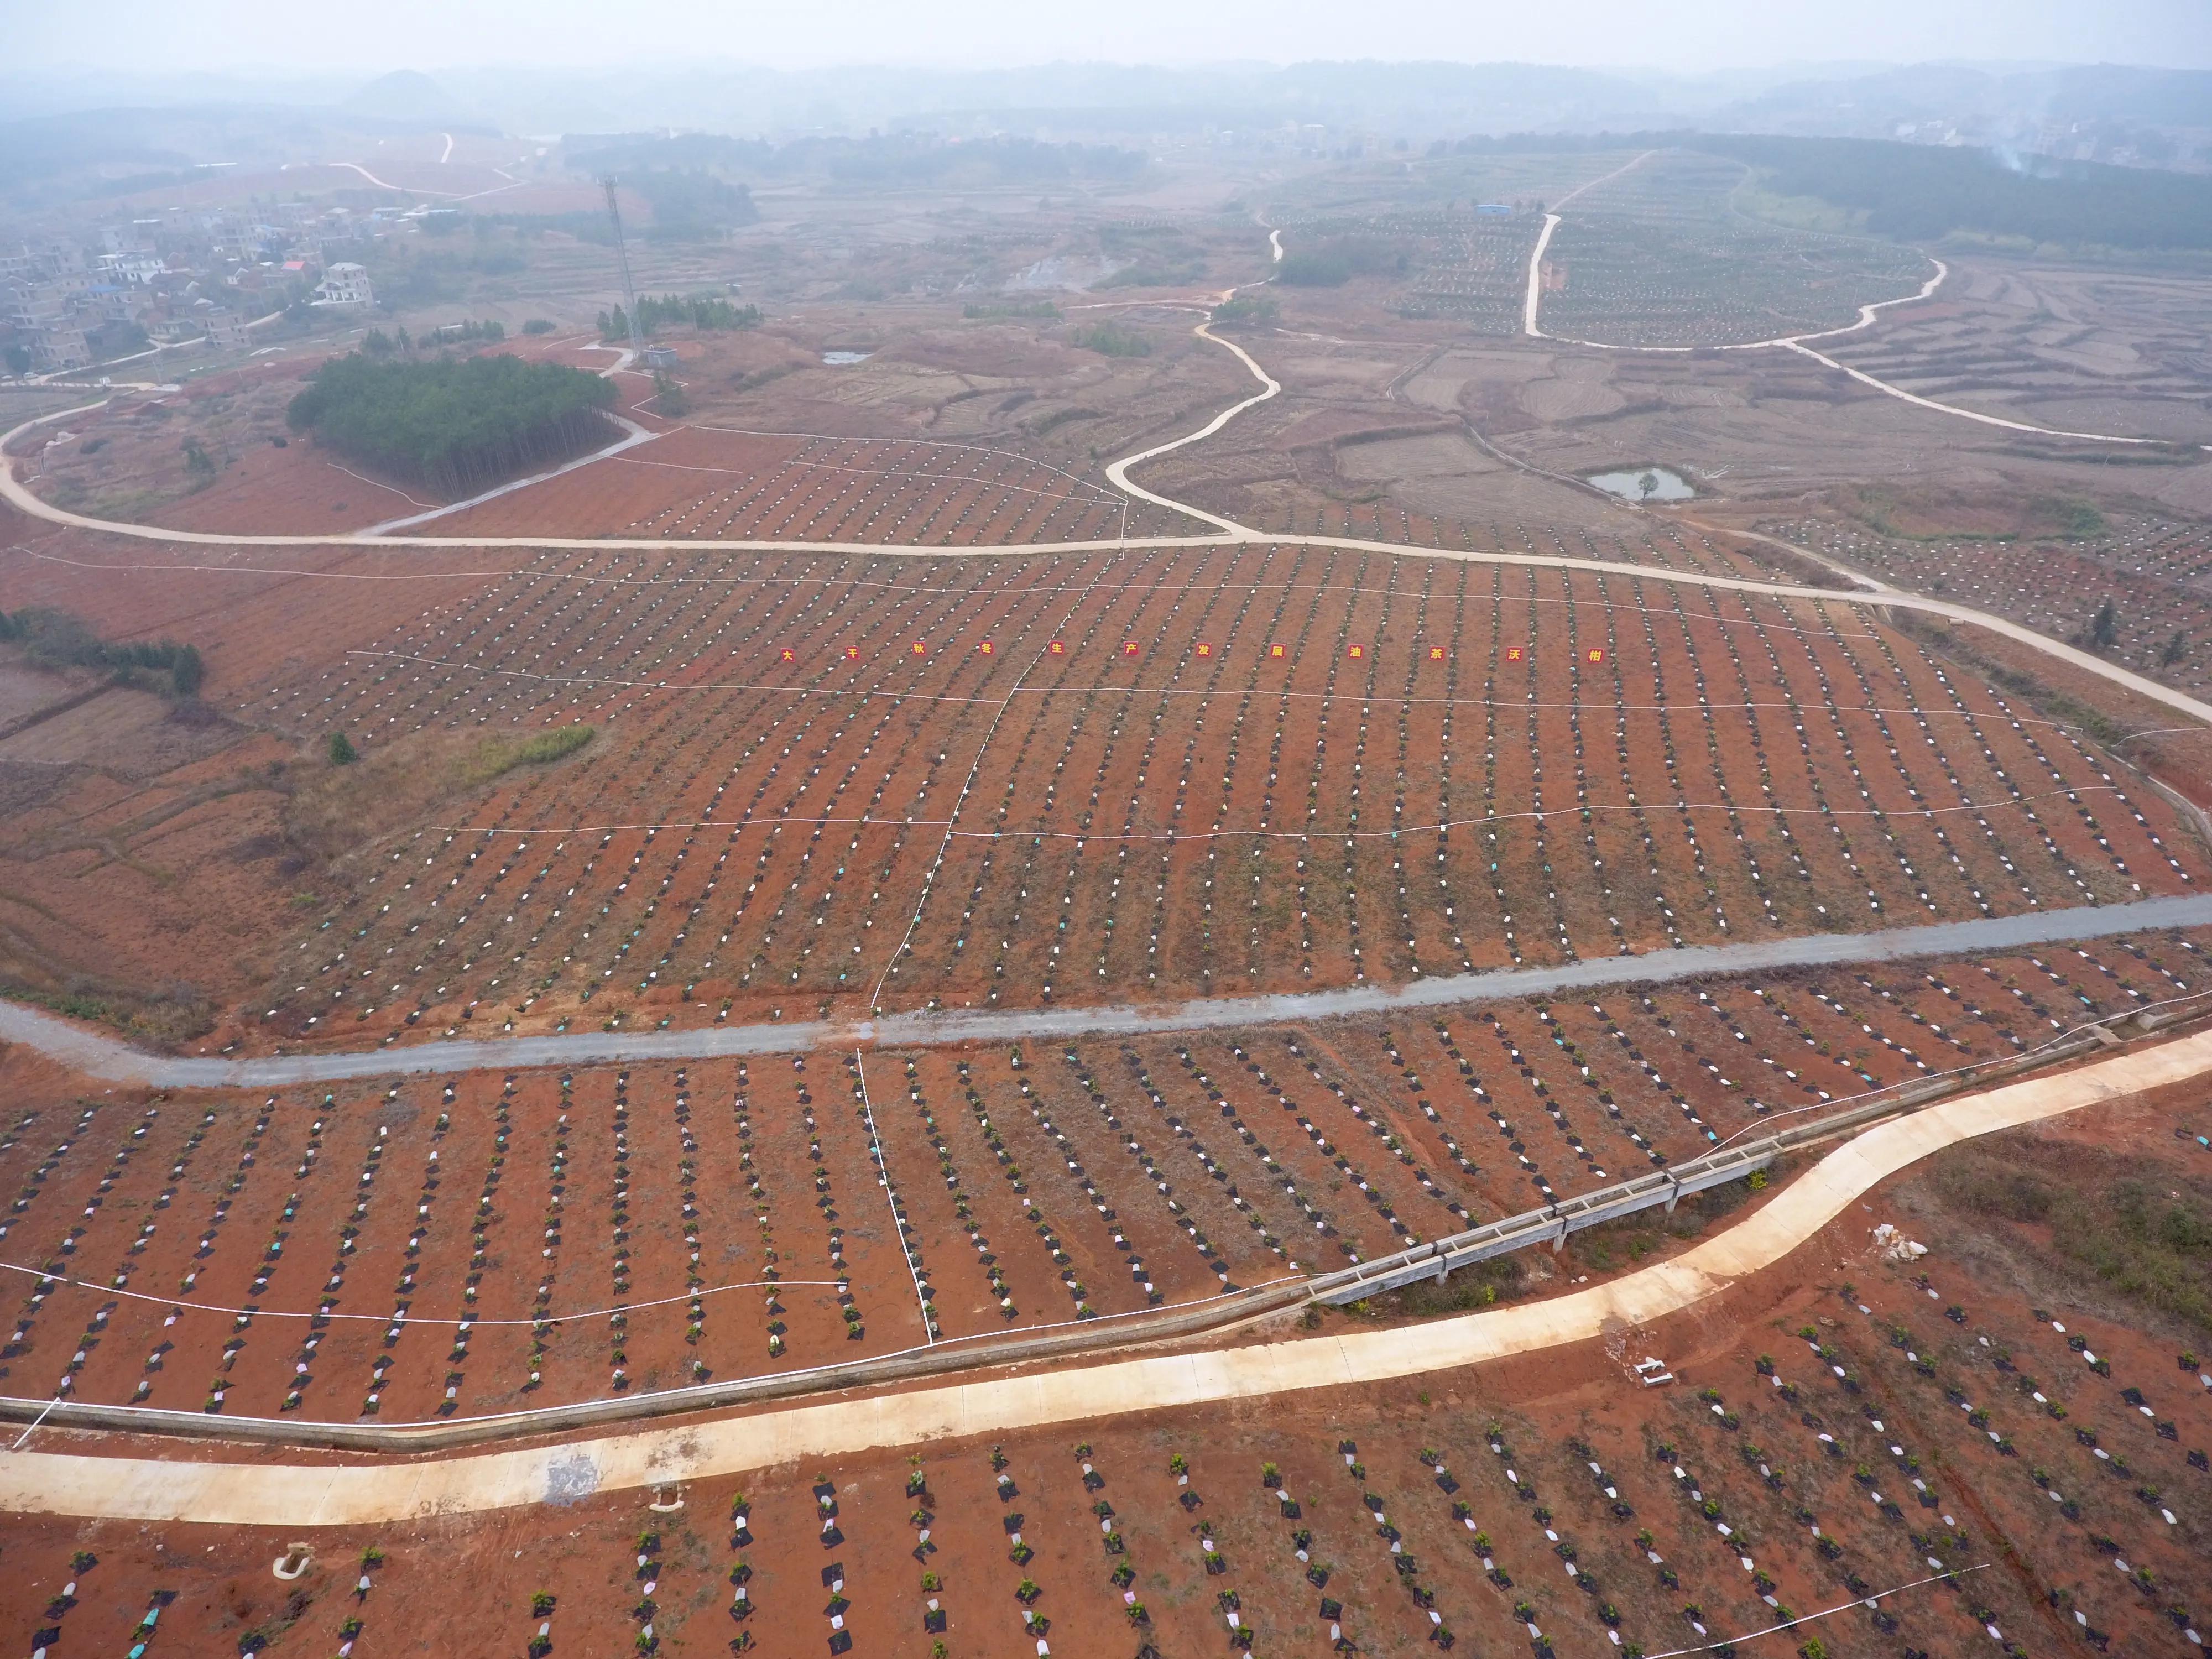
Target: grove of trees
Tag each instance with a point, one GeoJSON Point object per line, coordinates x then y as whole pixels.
{"type": "Point", "coordinates": [454, 425]}
{"type": "Point", "coordinates": [59, 639]}
{"type": "Point", "coordinates": [706, 313]}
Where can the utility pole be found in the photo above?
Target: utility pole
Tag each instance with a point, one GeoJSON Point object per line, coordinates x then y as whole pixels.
{"type": "Point", "coordinates": [629, 292]}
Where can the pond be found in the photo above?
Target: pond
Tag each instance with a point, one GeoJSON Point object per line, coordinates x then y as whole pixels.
{"type": "Point", "coordinates": [840, 358]}
{"type": "Point", "coordinates": [1665, 485]}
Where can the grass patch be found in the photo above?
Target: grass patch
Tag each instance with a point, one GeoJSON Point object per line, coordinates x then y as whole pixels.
{"type": "Point", "coordinates": [1255, 311]}
{"type": "Point", "coordinates": [1484, 1284]}
{"type": "Point", "coordinates": [165, 1020]}
{"type": "Point", "coordinates": [2143, 1232]}
{"type": "Point", "coordinates": [396, 785]}
{"type": "Point", "coordinates": [498, 755]}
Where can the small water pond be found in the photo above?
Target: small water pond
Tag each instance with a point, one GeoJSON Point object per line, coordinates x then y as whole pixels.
{"type": "Point", "coordinates": [1648, 483]}
{"type": "Point", "coordinates": [840, 358]}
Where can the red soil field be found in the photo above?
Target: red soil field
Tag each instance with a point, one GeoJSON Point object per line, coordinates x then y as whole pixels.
{"type": "Point", "coordinates": [1109, 838]}
{"type": "Point", "coordinates": [706, 481]}
{"type": "Point", "coordinates": [1935, 1442]}
{"type": "Point", "coordinates": [619, 1230]}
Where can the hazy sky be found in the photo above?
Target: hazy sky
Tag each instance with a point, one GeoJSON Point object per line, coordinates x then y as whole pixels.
{"type": "Point", "coordinates": [1685, 35]}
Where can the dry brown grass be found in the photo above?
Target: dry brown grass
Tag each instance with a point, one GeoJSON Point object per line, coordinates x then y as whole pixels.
{"type": "Point", "coordinates": [394, 786]}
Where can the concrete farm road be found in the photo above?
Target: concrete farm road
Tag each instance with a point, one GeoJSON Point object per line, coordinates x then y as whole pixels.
{"type": "Point", "coordinates": [367, 1492]}
{"type": "Point", "coordinates": [102, 1056]}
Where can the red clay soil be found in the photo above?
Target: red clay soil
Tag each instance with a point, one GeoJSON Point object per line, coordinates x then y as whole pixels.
{"type": "Point", "coordinates": [1541, 1489]}
{"type": "Point", "coordinates": [1098, 1179]}
{"type": "Point", "coordinates": [1873, 812]}
{"type": "Point", "coordinates": [709, 481]}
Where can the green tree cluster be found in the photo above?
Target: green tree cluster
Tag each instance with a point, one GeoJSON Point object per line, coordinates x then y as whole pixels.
{"type": "Point", "coordinates": [199, 465]}
{"type": "Point", "coordinates": [707, 313]}
{"type": "Point", "coordinates": [454, 424]}
{"type": "Point", "coordinates": [1927, 190]}
{"type": "Point", "coordinates": [58, 639]}
{"type": "Point", "coordinates": [2104, 630]}
{"type": "Point", "coordinates": [1112, 340]}
{"type": "Point", "coordinates": [1254, 311]}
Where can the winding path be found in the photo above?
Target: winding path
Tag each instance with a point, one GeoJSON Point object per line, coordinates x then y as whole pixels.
{"type": "Point", "coordinates": [366, 1493]}
{"type": "Point", "coordinates": [103, 1057]}
{"type": "Point", "coordinates": [1531, 301]}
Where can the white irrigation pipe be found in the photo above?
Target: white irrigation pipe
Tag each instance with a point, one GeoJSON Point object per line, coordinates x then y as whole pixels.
{"type": "Point", "coordinates": [875, 997]}
{"type": "Point", "coordinates": [1656, 573]}
{"type": "Point", "coordinates": [277, 570]}
{"type": "Point", "coordinates": [967, 784]}
{"type": "Point", "coordinates": [35, 1421]}
{"type": "Point", "coordinates": [1824, 1613]}
{"type": "Point", "coordinates": [1024, 1331]}
{"type": "Point", "coordinates": [378, 483]}
{"type": "Point", "coordinates": [1957, 1071]}
{"type": "Point", "coordinates": [932, 443]}
{"type": "Point", "coordinates": [891, 1196]}
{"type": "Point", "coordinates": [1663, 575]}
{"type": "Point", "coordinates": [411, 1319]}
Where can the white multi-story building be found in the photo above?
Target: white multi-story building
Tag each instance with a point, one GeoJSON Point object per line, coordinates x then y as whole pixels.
{"type": "Point", "coordinates": [345, 284]}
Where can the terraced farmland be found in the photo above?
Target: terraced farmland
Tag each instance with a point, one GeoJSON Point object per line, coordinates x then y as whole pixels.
{"type": "Point", "coordinates": [1467, 266]}
{"type": "Point", "coordinates": [1660, 255]}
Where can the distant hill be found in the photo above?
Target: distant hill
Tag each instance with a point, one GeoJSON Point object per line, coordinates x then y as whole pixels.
{"type": "Point", "coordinates": [2102, 112]}
{"type": "Point", "coordinates": [410, 96]}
